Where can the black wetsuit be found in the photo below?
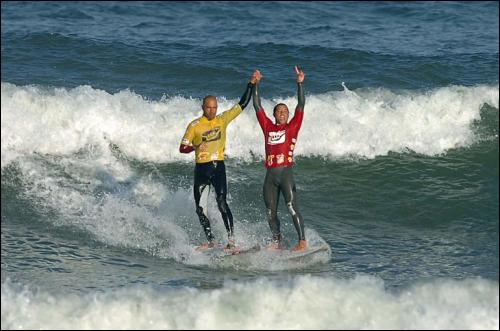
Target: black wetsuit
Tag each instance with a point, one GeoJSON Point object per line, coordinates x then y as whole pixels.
{"type": "Point", "coordinates": [279, 175]}
{"type": "Point", "coordinates": [214, 173]}
{"type": "Point", "coordinates": [281, 180]}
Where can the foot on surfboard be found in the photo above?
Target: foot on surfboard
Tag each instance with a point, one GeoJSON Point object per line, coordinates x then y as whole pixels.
{"type": "Point", "coordinates": [276, 243]}
{"type": "Point", "coordinates": [301, 246]}
{"type": "Point", "coordinates": [207, 245]}
{"type": "Point", "coordinates": [231, 246]}
{"type": "Point", "coordinates": [275, 246]}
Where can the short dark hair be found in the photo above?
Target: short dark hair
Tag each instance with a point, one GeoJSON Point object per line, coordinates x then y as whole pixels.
{"type": "Point", "coordinates": [279, 104]}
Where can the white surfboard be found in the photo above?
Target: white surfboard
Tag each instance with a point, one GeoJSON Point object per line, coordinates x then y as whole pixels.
{"type": "Point", "coordinates": [307, 253]}
{"type": "Point", "coordinates": [245, 256]}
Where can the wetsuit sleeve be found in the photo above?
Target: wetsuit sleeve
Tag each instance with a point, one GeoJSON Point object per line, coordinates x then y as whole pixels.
{"type": "Point", "coordinates": [296, 121]}
{"type": "Point", "coordinates": [186, 149]}
{"type": "Point", "coordinates": [301, 97]}
{"type": "Point", "coordinates": [187, 141]}
{"type": "Point", "coordinates": [245, 98]}
{"type": "Point", "coordinates": [256, 98]}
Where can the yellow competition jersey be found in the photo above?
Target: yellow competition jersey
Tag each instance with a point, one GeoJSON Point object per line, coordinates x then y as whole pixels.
{"type": "Point", "coordinates": [212, 132]}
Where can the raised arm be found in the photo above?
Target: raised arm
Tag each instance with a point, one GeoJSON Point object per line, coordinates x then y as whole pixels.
{"type": "Point", "coordinates": [300, 89]}
{"type": "Point", "coordinates": [245, 98]}
{"type": "Point", "coordinates": [257, 76]}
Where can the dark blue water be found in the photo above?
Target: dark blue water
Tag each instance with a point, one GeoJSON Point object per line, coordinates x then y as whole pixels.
{"type": "Point", "coordinates": [397, 164]}
{"type": "Point", "coordinates": [154, 49]}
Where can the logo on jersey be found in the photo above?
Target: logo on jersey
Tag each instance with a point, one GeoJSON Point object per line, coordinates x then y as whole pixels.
{"type": "Point", "coordinates": [203, 156]}
{"type": "Point", "coordinates": [276, 138]}
{"type": "Point", "coordinates": [270, 160]}
{"type": "Point", "coordinates": [280, 158]}
{"type": "Point", "coordinates": [211, 135]}
{"type": "Point", "coordinates": [215, 156]}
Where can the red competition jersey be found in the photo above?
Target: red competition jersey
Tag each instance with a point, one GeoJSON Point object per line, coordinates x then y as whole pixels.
{"type": "Point", "coordinates": [280, 139]}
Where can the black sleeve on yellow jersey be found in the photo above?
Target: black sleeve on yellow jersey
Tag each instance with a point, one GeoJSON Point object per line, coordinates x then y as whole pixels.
{"type": "Point", "coordinates": [245, 98]}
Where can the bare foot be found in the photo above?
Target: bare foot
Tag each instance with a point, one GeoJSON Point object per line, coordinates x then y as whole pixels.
{"type": "Point", "coordinates": [301, 246]}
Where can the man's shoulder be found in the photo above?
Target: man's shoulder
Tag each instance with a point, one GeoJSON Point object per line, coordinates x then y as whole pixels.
{"type": "Point", "coordinates": [195, 122]}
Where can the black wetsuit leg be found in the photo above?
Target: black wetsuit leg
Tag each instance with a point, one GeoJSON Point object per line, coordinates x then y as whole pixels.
{"type": "Point", "coordinates": [212, 173]}
{"type": "Point", "coordinates": [219, 182]}
{"type": "Point", "coordinates": [271, 192]}
{"type": "Point", "coordinates": [202, 174]}
{"type": "Point", "coordinates": [281, 180]}
{"type": "Point", "coordinates": [287, 185]}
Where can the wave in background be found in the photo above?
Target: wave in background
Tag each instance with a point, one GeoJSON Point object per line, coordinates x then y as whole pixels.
{"type": "Point", "coordinates": [362, 123]}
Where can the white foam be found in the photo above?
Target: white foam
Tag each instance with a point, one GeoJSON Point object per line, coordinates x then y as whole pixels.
{"type": "Point", "coordinates": [108, 202]}
{"type": "Point", "coordinates": [363, 123]}
{"type": "Point", "coordinates": [79, 178]}
{"type": "Point", "coordinates": [373, 122]}
{"type": "Point", "coordinates": [301, 302]}
{"type": "Point", "coordinates": [115, 207]}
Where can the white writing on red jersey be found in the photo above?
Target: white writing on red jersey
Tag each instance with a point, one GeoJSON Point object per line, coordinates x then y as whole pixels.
{"type": "Point", "coordinates": [276, 137]}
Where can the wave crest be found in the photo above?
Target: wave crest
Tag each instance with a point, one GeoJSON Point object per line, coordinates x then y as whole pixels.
{"type": "Point", "coordinates": [365, 123]}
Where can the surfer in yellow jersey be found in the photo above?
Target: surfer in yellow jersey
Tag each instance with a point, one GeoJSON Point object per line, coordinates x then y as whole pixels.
{"type": "Point", "coordinates": [206, 136]}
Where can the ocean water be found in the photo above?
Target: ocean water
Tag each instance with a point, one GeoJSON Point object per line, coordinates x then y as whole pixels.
{"type": "Point", "coordinates": [397, 165]}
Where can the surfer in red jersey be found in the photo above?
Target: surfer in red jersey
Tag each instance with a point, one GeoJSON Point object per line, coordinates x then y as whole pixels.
{"type": "Point", "coordinates": [280, 140]}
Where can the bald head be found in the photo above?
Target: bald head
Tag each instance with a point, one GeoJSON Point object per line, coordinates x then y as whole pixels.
{"type": "Point", "coordinates": [209, 107]}
{"type": "Point", "coordinates": [209, 97]}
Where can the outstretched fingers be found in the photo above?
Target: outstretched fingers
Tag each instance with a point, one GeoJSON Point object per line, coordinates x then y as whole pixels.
{"type": "Point", "coordinates": [300, 74]}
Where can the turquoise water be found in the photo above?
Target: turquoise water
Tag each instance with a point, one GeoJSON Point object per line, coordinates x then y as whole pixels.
{"type": "Point", "coordinates": [397, 164]}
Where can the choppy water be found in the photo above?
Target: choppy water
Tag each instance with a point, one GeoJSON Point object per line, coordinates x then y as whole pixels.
{"type": "Point", "coordinates": [397, 167]}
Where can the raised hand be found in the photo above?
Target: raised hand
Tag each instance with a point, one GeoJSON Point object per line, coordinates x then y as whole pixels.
{"type": "Point", "coordinates": [300, 75]}
{"type": "Point", "coordinates": [256, 77]}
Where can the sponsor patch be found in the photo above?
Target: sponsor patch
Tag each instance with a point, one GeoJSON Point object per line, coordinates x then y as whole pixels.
{"type": "Point", "coordinates": [270, 160]}
{"type": "Point", "coordinates": [280, 158]}
{"type": "Point", "coordinates": [211, 135]}
{"type": "Point", "coordinates": [203, 156]}
{"type": "Point", "coordinates": [277, 137]}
